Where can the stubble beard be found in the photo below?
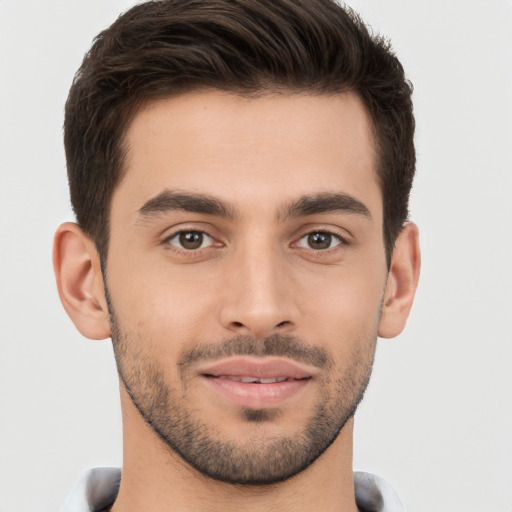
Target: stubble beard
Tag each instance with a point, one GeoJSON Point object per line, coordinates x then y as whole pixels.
{"type": "Point", "coordinates": [260, 461]}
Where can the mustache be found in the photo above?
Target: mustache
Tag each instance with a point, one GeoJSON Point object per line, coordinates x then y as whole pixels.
{"type": "Point", "coordinates": [275, 345]}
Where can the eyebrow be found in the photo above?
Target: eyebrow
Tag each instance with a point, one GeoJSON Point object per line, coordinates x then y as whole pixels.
{"type": "Point", "coordinates": [326, 203]}
{"type": "Point", "coordinates": [169, 201]}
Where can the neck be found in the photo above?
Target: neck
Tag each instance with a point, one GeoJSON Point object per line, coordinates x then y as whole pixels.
{"type": "Point", "coordinates": [156, 478]}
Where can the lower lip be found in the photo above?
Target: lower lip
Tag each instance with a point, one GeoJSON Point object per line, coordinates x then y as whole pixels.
{"type": "Point", "coordinates": [257, 396]}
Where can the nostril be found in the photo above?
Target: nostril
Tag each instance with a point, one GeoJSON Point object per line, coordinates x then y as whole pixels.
{"type": "Point", "coordinates": [281, 324]}
{"type": "Point", "coordinates": [238, 324]}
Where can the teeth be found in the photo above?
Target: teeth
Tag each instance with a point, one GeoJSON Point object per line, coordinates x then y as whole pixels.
{"type": "Point", "coordinates": [248, 379]}
{"type": "Point", "coordinates": [270, 381]}
{"type": "Point", "coordinates": [253, 380]}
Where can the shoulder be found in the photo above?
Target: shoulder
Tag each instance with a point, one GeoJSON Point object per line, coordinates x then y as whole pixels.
{"type": "Point", "coordinates": [374, 494]}
{"type": "Point", "coordinates": [96, 490]}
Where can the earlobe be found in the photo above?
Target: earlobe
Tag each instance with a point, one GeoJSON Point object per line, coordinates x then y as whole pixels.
{"type": "Point", "coordinates": [79, 281]}
{"type": "Point", "coordinates": [402, 282]}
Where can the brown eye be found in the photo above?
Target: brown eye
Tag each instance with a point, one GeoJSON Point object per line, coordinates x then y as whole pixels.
{"type": "Point", "coordinates": [319, 241]}
{"type": "Point", "coordinates": [191, 240]}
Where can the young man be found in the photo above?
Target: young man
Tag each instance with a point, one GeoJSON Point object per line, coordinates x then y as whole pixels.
{"type": "Point", "coordinates": [240, 172]}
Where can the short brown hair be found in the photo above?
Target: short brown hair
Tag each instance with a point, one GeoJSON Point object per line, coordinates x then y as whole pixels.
{"type": "Point", "coordinates": [165, 47]}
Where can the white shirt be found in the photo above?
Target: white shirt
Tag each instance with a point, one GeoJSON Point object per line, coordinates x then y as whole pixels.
{"type": "Point", "coordinates": [97, 490]}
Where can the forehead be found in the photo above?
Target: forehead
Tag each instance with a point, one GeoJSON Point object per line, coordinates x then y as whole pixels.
{"type": "Point", "coordinates": [250, 150]}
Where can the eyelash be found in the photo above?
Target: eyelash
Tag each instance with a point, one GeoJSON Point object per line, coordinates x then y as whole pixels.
{"type": "Point", "coordinates": [323, 232]}
{"type": "Point", "coordinates": [340, 241]}
{"type": "Point", "coordinates": [168, 241]}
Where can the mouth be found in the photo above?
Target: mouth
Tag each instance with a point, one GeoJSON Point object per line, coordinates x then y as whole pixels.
{"type": "Point", "coordinates": [257, 383]}
{"type": "Point", "coordinates": [250, 380]}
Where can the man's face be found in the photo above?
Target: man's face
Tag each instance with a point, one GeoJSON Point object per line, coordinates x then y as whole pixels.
{"type": "Point", "coordinates": [245, 275]}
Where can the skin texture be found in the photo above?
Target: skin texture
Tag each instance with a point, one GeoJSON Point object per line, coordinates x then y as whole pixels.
{"type": "Point", "coordinates": [259, 271]}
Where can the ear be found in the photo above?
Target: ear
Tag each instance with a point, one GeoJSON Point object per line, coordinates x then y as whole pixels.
{"type": "Point", "coordinates": [76, 263]}
{"type": "Point", "coordinates": [402, 282]}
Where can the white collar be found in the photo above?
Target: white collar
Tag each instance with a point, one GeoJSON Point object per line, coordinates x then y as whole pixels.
{"type": "Point", "coordinates": [97, 489]}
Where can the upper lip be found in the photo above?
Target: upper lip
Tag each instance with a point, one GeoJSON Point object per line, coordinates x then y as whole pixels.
{"type": "Point", "coordinates": [258, 367]}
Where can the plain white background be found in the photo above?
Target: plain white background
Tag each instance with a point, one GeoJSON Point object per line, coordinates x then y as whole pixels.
{"type": "Point", "coordinates": [437, 418]}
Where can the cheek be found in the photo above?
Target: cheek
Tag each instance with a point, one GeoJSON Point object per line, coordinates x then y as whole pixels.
{"type": "Point", "coordinates": [344, 308]}
{"type": "Point", "coordinates": [165, 305]}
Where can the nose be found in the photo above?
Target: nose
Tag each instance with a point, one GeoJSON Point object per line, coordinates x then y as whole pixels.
{"type": "Point", "coordinates": [258, 299]}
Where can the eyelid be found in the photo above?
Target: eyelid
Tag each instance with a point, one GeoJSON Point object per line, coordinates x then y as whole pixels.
{"type": "Point", "coordinates": [342, 234]}
{"type": "Point", "coordinates": [206, 229]}
{"type": "Point", "coordinates": [185, 227]}
{"type": "Point", "coordinates": [176, 234]}
{"type": "Point", "coordinates": [340, 239]}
